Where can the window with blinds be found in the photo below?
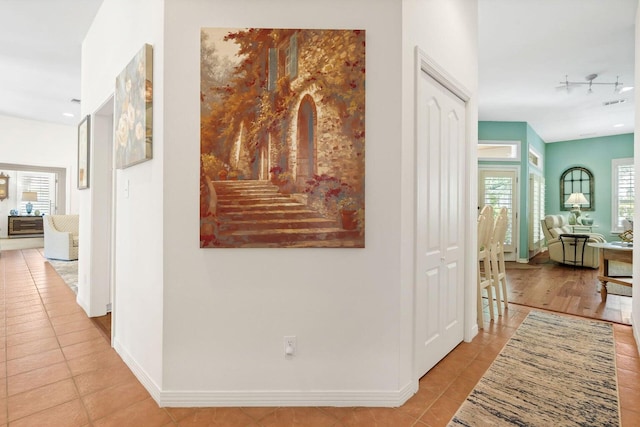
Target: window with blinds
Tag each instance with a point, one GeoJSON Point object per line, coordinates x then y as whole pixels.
{"type": "Point", "coordinates": [622, 202]}
{"type": "Point", "coordinates": [498, 192]}
{"type": "Point", "coordinates": [42, 183]}
{"type": "Point", "coordinates": [536, 206]}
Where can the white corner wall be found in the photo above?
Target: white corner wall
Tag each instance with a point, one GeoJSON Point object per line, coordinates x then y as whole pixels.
{"type": "Point", "coordinates": [205, 327]}
{"type": "Point", "coordinates": [119, 30]}
{"type": "Point", "coordinates": [36, 143]}
{"type": "Point", "coordinates": [447, 31]}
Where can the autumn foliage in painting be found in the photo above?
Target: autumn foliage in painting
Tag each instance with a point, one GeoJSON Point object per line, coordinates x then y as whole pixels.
{"type": "Point", "coordinates": [288, 108]}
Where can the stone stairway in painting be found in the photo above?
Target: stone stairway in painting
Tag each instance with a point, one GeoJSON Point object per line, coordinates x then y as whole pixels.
{"type": "Point", "coordinates": [254, 214]}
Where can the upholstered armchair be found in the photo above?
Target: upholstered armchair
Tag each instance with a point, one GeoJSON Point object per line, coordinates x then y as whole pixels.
{"type": "Point", "coordinates": [563, 248]}
{"type": "Point", "coordinates": [61, 236]}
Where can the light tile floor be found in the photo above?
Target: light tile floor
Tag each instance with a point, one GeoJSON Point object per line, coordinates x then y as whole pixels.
{"type": "Point", "coordinates": [58, 370]}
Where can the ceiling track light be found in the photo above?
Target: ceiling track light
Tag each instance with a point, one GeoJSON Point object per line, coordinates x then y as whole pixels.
{"type": "Point", "coordinates": [568, 85]}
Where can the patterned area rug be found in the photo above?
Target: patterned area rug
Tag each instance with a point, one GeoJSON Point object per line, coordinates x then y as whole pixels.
{"type": "Point", "coordinates": [68, 270]}
{"type": "Point", "coordinates": [554, 371]}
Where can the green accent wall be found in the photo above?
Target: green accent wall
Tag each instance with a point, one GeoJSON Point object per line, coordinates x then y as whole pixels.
{"type": "Point", "coordinates": [516, 131]}
{"type": "Point", "coordinates": [594, 154]}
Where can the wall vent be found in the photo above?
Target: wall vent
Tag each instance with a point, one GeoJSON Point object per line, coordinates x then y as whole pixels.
{"type": "Point", "coordinates": [614, 102]}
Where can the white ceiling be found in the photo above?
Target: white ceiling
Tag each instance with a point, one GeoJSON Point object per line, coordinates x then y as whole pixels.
{"type": "Point", "coordinates": [40, 49]}
{"type": "Point", "coordinates": [526, 47]}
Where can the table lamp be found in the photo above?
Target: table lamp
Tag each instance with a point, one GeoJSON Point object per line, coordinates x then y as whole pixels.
{"type": "Point", "coordinates": [29, 196]}
{"type": "Point", "coordinates": [575, 200]}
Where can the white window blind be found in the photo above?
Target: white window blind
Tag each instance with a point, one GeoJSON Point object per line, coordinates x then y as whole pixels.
{"type": "Point", "coordinates": [498, 192]}
{"type": "Point", "coordinates": [42, 183]}
{"type": "Point", "coordinates": [537, 193]}
{"type": "Point", "coordinates": [622, 202]}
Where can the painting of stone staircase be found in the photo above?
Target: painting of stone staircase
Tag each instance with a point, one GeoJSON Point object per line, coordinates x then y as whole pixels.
{"type": "Point", "coordinates": [282, 138]}
{"type": "Point", "coordinates": [252, 213]}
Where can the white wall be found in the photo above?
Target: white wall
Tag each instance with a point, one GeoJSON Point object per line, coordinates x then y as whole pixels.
{"type": "Point", "coordinates": [35, 143]}
{"type": "Point", "coordinates": [206, 326]}
{"type": "Point", "coordinates": [227, 310]}
{"type": "Point", "coordinates": [119, 30]}
{"type": "Point", "coordinates": [635, 309]}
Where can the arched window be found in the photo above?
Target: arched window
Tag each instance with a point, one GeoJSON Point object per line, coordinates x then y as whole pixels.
{"type": "Point", "coordinates": [577, 180]}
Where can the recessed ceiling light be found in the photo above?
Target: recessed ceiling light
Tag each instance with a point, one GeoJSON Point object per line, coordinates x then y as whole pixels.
{"type": "Point", "coordinates": [626, 89]}
{"type": "Point", "coordinates": [618, 125]}
{"type": "Point", "coordinates": [68, 114]}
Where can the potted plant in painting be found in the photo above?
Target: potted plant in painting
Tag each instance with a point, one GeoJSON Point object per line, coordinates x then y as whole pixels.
{"type": "Point", "coordinates": [349, 207]}
{"type": "Point", "coordinates": [275, 172]}
{"type": "Point", "coordinates": [285, 183]}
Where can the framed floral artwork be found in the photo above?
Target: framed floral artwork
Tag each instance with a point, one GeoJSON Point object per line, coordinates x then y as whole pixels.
{"type": "Point", "coordinates": [134, 110]}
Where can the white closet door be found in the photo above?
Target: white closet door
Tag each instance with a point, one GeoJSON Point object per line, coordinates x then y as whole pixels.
{"type": "Point", "coordinates": [440, 239]}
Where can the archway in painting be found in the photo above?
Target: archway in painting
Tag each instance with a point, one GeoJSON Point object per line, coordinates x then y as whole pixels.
{"type": "Point", "coordinates": [306, 141]}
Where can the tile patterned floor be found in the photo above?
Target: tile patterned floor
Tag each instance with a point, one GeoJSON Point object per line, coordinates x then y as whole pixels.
{"type": "Point", "coordinates": [57, 369]}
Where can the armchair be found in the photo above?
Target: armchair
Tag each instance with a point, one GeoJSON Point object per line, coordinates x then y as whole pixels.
{"type": "Point", "coordinates": [553, 226]}
{"type": "Point", "coordinates": [61, 236]}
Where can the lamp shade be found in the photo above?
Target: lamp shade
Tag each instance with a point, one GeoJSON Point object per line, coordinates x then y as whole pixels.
{"type": "Point", "coordinates": [29, 196]}
{"type": "Point", "coordinates": [576, 199]}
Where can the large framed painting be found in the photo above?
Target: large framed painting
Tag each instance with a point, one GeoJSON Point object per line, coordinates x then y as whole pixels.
{"type": "Point", "coordinates": [134, 110]}
{"type": "Point", "coordinates": [282, 143]}
{"type": "Point", "coordinates": [84, 129]}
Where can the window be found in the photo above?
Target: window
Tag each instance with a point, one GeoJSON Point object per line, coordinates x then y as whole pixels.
{"type": "Point", "coordinates": [499, 150]}
{"type": "Point", "coordinates": [273, 68]}
{"type": "Point", "coordinates": [42, 183]}
{"type": "Point", "coordinates": [577, 180]}
{"type": "Point", "coordinates": [291, 57]}
{"type": "Point", "coordinates": [536, 206]}
{"type": "Point", "coordinates": [283, 61]}
{"type": "Point", "coordinates": [535, 159]}
{"type": "Point", "coordinates": [623, 182]}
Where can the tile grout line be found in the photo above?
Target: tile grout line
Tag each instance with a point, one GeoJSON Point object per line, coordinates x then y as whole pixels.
{"type": "Point", "coordinates": [6, 368]}
{"type": "Point", "coordinates": [55, 333]}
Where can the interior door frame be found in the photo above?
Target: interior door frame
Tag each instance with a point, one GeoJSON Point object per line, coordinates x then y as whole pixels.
{"type": "Point", "coordinates": [515, 230]}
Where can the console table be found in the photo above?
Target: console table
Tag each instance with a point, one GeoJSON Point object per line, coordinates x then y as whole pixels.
{"type": "Point", "coordinates": [613, 251]}
{"type": "Point", "coordinates": [25, 225]}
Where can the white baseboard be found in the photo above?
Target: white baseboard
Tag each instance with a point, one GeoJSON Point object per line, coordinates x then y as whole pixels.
{"type": "Point", "coordinates": [186, 399]}
{"type": "Point", "coordinates": [84, 305]}
{"type": "Point", "coordinates": [140, 373]}
{"type": "Point", "coordinates": [523, 260]}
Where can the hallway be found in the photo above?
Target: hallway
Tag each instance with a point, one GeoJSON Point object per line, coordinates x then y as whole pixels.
{"type": "Point", "coordinates": [57, 369]}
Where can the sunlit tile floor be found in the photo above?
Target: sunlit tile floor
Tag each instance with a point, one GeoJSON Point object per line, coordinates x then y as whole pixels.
{"type": "Point", "coordinates": [58, 370]}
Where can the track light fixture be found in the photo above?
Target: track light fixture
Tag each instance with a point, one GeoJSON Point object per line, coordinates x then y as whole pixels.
{"type": "Point", "coordinates": [589, 81]}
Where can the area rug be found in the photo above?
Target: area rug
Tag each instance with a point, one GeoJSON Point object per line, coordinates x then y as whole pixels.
{"type": "Point", "coordinates": [68, 270]}
{"type": "Point", "coordinates": [555, 371]}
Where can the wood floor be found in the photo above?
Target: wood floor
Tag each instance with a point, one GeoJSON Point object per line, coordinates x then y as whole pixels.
{"type": "Point", "coordinates": [565, 289]}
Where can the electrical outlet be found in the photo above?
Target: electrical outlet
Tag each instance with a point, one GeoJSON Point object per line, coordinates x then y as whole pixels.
{"type": "Point", "coordinates": [290, 346]}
